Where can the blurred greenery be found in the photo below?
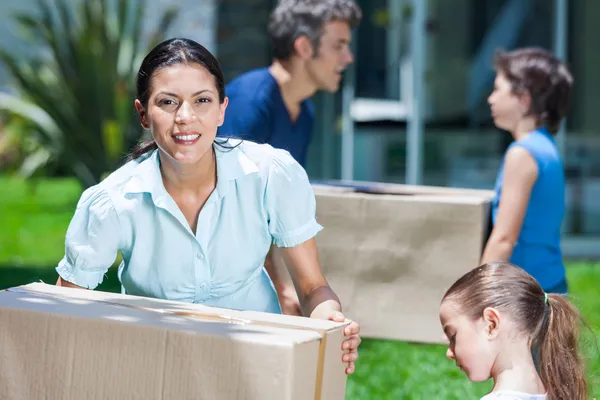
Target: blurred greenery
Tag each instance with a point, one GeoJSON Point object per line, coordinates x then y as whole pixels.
{"type": "Point", "coordinates": [35, 219]}
{"type": "Point", "coordinates": [20, 149]}
{"type": "Point", "coordinates": [73, 106]}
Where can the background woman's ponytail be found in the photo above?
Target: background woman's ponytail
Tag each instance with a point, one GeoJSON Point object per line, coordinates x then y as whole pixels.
{"type": "Point", "coordinates": [561, 367]}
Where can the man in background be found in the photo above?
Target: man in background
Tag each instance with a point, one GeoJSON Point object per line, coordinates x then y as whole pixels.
{"type": "Point", "coordinates": [311, 45]}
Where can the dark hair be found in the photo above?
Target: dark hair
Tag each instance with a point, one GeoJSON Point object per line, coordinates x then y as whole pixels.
{"type": "Point", "coordinates": [553, 327]}
{"type": "Point", "coordinates": [168, 53]}
{"type": "Point", "coordinates": [542, 75]}
{"type": "Point", "coordinates": [294, 18]}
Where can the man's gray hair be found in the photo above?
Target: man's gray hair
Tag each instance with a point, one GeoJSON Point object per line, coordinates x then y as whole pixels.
{"type": "Point", "coordinates": [294, 18]}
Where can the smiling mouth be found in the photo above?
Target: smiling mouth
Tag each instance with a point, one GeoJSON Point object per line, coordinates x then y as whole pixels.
{"type": "Point", "coordinates": [186, 139]}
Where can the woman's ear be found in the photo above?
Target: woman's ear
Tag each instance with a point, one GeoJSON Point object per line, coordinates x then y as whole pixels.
{"type": "Point", "coordinates": [142, 114]}
{"type": "Point", "coordinates": [491, 318]}
{"type": "Point", "coordinates": [222, 109]}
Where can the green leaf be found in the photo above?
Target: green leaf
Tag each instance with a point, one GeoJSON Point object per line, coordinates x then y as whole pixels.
{"type": "Point", "coordinates": [32, 112]}
{"type": "Point", "coordinates": [78, 91]}
{"type": "Point", "coordinates": [34, 162]}
{"type": "Point", "coordinates": [113, 139]}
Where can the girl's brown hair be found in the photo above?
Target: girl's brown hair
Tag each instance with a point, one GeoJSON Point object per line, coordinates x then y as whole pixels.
{"type": "Point", "coordinates": [546, 78]}
{"type": "Point", "coordinates": [552, 326]}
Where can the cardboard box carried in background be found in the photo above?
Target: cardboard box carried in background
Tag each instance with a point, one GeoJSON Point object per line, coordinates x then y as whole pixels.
{"type": "Point", "coordinates": [73, 344]}
{"type": "Point", "coordinates": [390, 251]}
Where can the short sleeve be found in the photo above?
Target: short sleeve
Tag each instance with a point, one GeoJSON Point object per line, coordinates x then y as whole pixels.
{"type": "Point", "coordinates": [290, 200]}
{"type": "Point", "coordinates": [92, 240]}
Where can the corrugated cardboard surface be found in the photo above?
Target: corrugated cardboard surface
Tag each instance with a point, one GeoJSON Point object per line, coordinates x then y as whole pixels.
{"type": "Point", "coordinates": [61, 343]}
{"type": "Point", "coordinates": [391, 251]}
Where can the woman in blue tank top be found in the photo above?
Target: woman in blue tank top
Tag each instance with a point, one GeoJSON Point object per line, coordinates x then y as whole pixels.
{"type": "Point", "coordinates": [530, 99]}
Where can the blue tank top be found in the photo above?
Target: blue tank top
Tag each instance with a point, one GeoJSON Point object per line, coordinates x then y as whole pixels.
{"type": "Point", "coordinates": [537, 250]}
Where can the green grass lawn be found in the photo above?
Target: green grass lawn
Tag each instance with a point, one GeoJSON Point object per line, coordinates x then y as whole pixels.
{"type": "Point", "coordinates": [34, 222]}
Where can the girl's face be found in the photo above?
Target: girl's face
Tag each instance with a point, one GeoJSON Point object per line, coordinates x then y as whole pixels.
{"type": "Point", "coordinates": [471, 344]}
{"type": "Point", "coordinates": [183, 111]}
{"type": "Point", "coordinates": [507, 108]}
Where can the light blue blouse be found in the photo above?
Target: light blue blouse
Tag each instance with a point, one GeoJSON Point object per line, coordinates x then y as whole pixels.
{"type": "Point", "coordinates": [262, 196]}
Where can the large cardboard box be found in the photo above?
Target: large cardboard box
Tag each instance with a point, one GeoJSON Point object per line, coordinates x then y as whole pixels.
{"type": "Point", "coordinates": [73, 344]}
{"type": "Point", "coordinates": [390, 251]}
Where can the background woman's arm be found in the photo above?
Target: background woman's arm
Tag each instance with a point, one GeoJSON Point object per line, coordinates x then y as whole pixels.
{"type": "Point", "coordinates": [520, 174]}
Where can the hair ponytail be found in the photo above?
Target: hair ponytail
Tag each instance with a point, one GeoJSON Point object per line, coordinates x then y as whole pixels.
{"type": "Point", "coordinates": [561, 367]}
{"type": "Point", "coordinates": [142, 148]}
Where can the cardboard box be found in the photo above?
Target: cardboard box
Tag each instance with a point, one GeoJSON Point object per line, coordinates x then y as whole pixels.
{"type": "Point", "coordinates": [73, 344]}
{"type": "Point", "coordinates": [391, 251]}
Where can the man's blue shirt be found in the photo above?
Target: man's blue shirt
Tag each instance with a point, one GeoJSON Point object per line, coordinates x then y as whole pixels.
{"type": "Point", "coordinates": [257, 112]}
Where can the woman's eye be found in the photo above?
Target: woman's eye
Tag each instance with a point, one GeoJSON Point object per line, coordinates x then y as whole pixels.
{"type": "Point", "coordinates": [203, 100]}
{"type": "Point", "coordinates": [167, 102]}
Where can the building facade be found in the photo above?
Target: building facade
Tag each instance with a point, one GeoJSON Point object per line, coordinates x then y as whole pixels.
{"type": "Point", "coordinates": [459, 145]}
{"type": "Point", "coordinates": [373, 129]}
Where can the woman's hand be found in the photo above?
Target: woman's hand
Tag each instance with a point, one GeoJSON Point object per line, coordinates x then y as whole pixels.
{"type": "Point", "coordinates": [352, 332]}
{"type": "Point", "coordinates": [350, 345]}
{"type": "Point", "coordinates": [316, 297]}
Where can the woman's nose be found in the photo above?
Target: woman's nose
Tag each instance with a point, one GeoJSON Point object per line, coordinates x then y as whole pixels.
{"type": "Point", "coordinates": [185, 113]}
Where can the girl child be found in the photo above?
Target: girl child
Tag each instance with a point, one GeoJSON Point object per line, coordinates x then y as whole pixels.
{"type": "Point", "coordinates": [498, 319]}
{"type": "Point", "coordinates": [530, 99]}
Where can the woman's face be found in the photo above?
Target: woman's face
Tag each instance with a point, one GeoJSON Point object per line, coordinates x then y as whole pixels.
{"type": "Point", "coordinates": [183, 111]}
{"type": "Point", "coordinates": [507, 108]}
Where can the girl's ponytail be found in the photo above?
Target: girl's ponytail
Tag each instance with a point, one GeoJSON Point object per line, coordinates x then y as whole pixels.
{"type": "Point", "coordinates": [561, 367]}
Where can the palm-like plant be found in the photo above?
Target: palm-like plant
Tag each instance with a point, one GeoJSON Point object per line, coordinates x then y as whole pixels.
{"type": "Point", "coordinates": [78, 95]}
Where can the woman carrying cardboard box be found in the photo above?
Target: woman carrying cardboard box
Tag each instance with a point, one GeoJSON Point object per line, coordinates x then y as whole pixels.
{"type": "Point", "coordinates": [530, 98]}
{"type": "Point", "coordinates": [194, 215]}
